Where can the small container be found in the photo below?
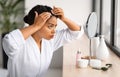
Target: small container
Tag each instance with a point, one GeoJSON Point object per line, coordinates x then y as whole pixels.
{"type": "Point", "coordinates": [96, 63]}
{"type": "Point", "coordinates": [83, 63]}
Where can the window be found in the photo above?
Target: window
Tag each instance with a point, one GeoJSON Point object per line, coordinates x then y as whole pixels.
{"type": "Point", "coordinates": [106, 15]}
{"type": "Point", "coordinates": [109, 15]}
{"type": "Point", "coordinates": [117, 44]}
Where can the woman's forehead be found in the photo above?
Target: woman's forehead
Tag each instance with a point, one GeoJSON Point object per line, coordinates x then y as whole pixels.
{"type": "Point", "coordinates": [52, 20]}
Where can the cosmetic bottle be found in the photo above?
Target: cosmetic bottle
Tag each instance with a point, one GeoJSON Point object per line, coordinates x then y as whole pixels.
{"type": "Point", "coordinates": [94, 45]}
{"type": "Point", "coordinates": [78, 57]}
{"type": "Point", "coordinates": [102, 52]}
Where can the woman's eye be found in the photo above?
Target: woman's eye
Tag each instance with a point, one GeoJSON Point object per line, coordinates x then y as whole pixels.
{"type": "Point", "coordinates": [51, 27]}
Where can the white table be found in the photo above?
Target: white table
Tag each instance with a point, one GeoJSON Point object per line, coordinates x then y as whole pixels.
{"type": "Point", "coordinates": [69, 60]}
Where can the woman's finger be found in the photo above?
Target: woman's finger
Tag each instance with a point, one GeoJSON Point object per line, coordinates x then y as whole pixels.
{"type": "Point", "coordinates": [45, 15]}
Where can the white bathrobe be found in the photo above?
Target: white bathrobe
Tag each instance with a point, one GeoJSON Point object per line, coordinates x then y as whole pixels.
{"type": "Point", "coordinates": [25, 58]}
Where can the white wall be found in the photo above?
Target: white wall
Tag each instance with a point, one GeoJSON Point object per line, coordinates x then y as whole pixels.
{"type": "Point", "coordinates": [76, 10]}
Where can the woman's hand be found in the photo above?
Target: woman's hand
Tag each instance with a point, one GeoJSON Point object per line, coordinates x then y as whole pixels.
{"type": "Point", "coordinates": [59, 12]}
{"type": "Point", "coordinates": [71, 24]}
{"type": "Point", "coordinates": [41, 19]}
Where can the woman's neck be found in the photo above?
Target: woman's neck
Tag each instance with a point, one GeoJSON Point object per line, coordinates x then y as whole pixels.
{"type": "Point", "coordinates": [37, 39]}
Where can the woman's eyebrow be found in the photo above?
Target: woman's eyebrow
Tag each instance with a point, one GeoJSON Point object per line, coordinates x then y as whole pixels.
{"type": "Point", "coordinates": [52, 24]}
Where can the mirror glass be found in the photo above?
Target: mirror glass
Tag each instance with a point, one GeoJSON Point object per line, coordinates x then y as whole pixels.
{"type": "Point", "coordinates": [91, 25]}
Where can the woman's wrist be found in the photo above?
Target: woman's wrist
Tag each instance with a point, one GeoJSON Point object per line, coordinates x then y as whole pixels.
{"type": "Point", "coordinates": [71, 24]}
{"type": "Point", "coordinates": [35, 27]}
{"type": "Point", "coordinates": [64, 19]}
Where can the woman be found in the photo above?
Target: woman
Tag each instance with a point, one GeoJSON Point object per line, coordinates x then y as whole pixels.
{"type": "Point", "coordinates": [31, 48]}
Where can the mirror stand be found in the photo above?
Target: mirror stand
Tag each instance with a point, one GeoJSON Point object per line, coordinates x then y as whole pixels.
{"type": "Point", "coordinates": [91, 30]}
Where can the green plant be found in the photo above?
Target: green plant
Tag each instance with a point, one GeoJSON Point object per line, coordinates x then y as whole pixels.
{"type": "Point", "coordinates": [11, 14]}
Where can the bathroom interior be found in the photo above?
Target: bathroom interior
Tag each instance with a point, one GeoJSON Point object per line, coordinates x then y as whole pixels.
{"type": "Point", "coordinates": [105, 23]}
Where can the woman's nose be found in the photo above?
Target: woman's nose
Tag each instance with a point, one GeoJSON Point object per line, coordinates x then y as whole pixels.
{"type": "Point", "coordinates": [53, 31]}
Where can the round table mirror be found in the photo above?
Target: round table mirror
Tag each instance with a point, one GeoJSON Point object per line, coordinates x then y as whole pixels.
{"type": "Point", "coordinates": [91, 25]}
{"type": "Point", "coordinates": [91, 28]}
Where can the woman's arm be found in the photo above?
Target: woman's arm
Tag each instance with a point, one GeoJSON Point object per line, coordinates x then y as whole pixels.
{"type": "Point", "coordinates": [38, 23]}
{"type": "Point", "coordinates": [71, 25]}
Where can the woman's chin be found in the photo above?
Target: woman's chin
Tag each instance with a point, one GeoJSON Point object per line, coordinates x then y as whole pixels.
{"type": "Point", "coordinates": [48, 38]}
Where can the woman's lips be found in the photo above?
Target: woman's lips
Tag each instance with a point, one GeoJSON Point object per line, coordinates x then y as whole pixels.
{"type": "Point", "coordinates": [52, 36]}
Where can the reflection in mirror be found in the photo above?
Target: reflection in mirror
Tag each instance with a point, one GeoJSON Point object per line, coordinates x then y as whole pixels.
{"type": "Point", "coordinates": [91, 25]}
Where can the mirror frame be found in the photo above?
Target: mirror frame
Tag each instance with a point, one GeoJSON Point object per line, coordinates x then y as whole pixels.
{"type": "Point", "coordinates": [91, 32]}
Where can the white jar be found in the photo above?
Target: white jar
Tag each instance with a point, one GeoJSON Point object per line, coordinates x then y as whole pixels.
{"type": "Point", "coordinates": [94, 45]}
{"type": "Point", "coordinates": [83, 63]}
{"type": "Point", "coordinates": [95, 63]}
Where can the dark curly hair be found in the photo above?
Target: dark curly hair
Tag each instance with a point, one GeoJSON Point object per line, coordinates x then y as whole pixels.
{"type": "Point", "coordinates": [29, 19]}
